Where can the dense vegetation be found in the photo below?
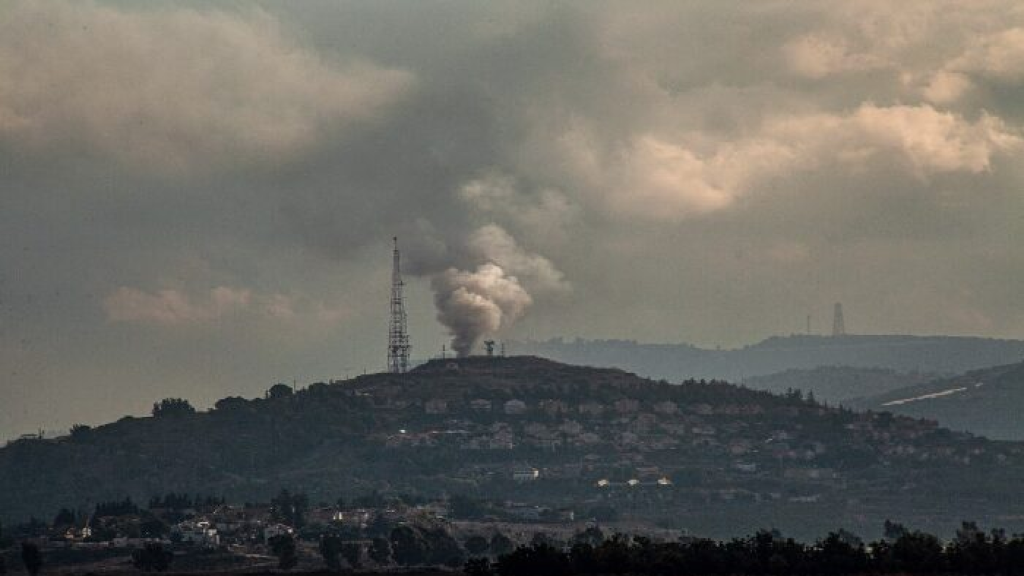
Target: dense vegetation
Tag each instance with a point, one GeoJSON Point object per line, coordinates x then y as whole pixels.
{"type": "Point", "coordinates": [973, 551]}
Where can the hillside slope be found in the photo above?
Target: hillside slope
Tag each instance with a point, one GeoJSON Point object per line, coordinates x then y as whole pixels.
{"type": "Point", "coordinates": [839, 384]}
{"type": "Point", "coordinates": [712, 458]}
{"type": "Point", "coordinates": [674, 362]}
{"type": "Point", "coordinates": [987, 402]}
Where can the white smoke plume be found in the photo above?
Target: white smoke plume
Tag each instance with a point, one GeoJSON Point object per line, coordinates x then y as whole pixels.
{"type": "Point", "coordinates": [474, 304]}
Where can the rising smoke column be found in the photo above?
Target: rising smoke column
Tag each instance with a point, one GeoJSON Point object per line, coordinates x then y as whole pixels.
{"type": "Point", "coordinates": [475, 304]}
{"type": "Point", "coordinates": [478, 302]}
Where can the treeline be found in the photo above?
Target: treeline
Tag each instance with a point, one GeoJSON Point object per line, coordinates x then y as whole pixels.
{"type": "Point", "coordinates": [972, 551]}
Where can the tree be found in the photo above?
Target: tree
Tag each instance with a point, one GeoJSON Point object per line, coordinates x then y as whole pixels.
{"type": "Point", "coordinates": [478, 567]}
{"type": "Point", "coordinates": [477, 545]}
{"type": "Point", "coordinates": [407, 546]}
{"type": "Point", "coordinates": [278, 391]}
{"type": "Point", "coordinates": [31, 557]}
{"type": "Point", "coordinates": [80, 431]}
{"type": "Point", "coordinates": [3, 565]}
{"type": "Point", "coordinates": [465, 507]}
{"type": "Point", "coordinates": [330, 550]}
{"type": "Point", "coordinates": [172, 407]}
{"type": "Point", "coordinates": [593, 535]}
{"type": "Point", "coordinates": [442, 549]}
{"type": "Point", "coordinates": [893, 530]}
{"type": "Point", "coordinates": [540, 560]}
{"type": "Point", "coordinates": [230, 403]}
{"type": "Point", "coordinates": [380, 551]}
{"type": "Point", "coordinates": [64, 518]}
{"type": "Point", "coordinates": [153, 527]}
{"type": "Point", "coordinates": [152, 558]}
{"type": "Point", "coordinates": [289, 508]}
{"type": "Point", "coordinates": [501, 544]}
{"type": "Point", "coordinates": [918, 552]}
{"type": "Point", "coordinates": [283, 546]}
{"type": "Point", "coordinates": [353, 554]}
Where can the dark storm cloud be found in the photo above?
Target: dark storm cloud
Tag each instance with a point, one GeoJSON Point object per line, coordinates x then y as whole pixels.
{"type": "Point", "coordinates": [200, 201]}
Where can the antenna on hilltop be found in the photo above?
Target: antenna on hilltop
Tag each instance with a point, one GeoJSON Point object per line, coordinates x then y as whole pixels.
{"type": "Point", "coordinates": [838, 326]}
{"type": "Point", "coordinates": [398, 335]}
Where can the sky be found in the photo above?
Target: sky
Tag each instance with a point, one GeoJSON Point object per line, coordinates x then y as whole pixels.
{"type": "Point", "coordinates": [197, 199]}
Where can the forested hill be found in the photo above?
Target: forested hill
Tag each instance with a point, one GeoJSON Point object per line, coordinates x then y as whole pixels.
{"type": "Point", "coordinates": [708, 457]}
{"type": "Point", "coordinates": [673, 362]}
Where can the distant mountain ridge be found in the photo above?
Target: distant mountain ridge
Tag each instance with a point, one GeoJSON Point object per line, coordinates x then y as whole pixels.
{"type": "Point", "coordinates": [675, 362]}
{"type": "Point", "coordinates": [839, 384]}
{"type": "Point", "coordinates": [711, 458]}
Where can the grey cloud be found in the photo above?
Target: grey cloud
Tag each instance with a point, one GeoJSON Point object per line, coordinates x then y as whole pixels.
{"type": "Point", "coordinates": [708, 172]}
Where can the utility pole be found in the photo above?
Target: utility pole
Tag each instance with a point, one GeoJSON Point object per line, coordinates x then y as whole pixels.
{"type": "Point", "coordinates": [398, 335]}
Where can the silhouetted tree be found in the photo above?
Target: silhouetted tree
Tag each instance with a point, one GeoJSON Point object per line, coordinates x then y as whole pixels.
{"type": "Point", "coordinates": [501, 544]}
{"type": "Point", "coordinates": [230, 403]}
{"type": "Point", "coordinates": [478, 567]}
{"type": "Point", "coordinates": [407, 546]}
{"type": "Point", "coordinates": [442, 548]}
{"type": "Point", "coordinates": [542, 560]}
{"type": "Point", "coordinates": [80, 431]}
{"type": "Point", "coordinates": [465, 507]}
{"type": "Point", "coordinates": [64, 518]}
{"type": "Point", "coordinates": [283, 546]}
{"type": "Point", "coordinates": [173, 407]}
{"type": "Point", "coordinates": [330, 550]}
{"type": "Point", "coordinates": [380, 551]}
{"type": "Point", "coordinates": [592, 535]}
{"type": "Point", "coordinates": [31, 557]}
{"type": "Point", "coordinates": [893, 530]}
{"type": "Point", "coordinates": [477, 545]}
{"type": "Point", "coordinates": [152, 558]}
{"type": "Point", "coordinates": [278, 391]}
{"type": "Point", "coordinates": [353, 554]}
{"type": "Point", "coordinates": [289, 508]}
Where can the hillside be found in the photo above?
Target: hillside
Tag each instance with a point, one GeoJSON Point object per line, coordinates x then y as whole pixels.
{"type": "Point", "coordinates": [838, 384]}
{"type": "Point", "coordinates": [712, 458]}
{"type": "Point", "coordinates": [674, 362]}
{"type": "Point", "coordinates": [985, 402]}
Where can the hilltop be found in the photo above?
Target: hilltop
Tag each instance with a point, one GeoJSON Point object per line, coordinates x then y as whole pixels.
{"type": "Point", "coordinates": [946, 355]}
{"type": "Point", "coordinates": [708, 457]}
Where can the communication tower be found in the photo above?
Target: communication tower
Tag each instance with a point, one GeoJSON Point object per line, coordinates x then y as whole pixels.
{"type": "Point", "coordinates": [838, 326]}
{"type": "Point", "coordinates": [398, 334]}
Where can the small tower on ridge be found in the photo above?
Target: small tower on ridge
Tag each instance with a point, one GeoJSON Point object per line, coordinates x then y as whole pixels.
{"type": "Point", "coordinates": [838, 325]}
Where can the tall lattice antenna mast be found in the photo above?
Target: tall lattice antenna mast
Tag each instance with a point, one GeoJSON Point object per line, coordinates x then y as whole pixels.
{"type": "Point", "coordinates": [398, 335]}
{"type": "Point", "coordinates": [838, 325]}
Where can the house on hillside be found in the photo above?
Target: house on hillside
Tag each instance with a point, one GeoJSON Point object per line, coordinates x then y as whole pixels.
{"type": "Point", "coordinates": [667, 407]}
{"type": "Point", "coordinates": [553, 407]}
{"type": "Point", "coordinates": [436, 406]}
{"type": "Point", "coordinates": [525, 473]}
{"type": "Point", "coordinates": [627, 405]}
{"type": "Point", "coordinates": [515, 407]}
{"type": "Point", "coordinates": [480, 405]}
